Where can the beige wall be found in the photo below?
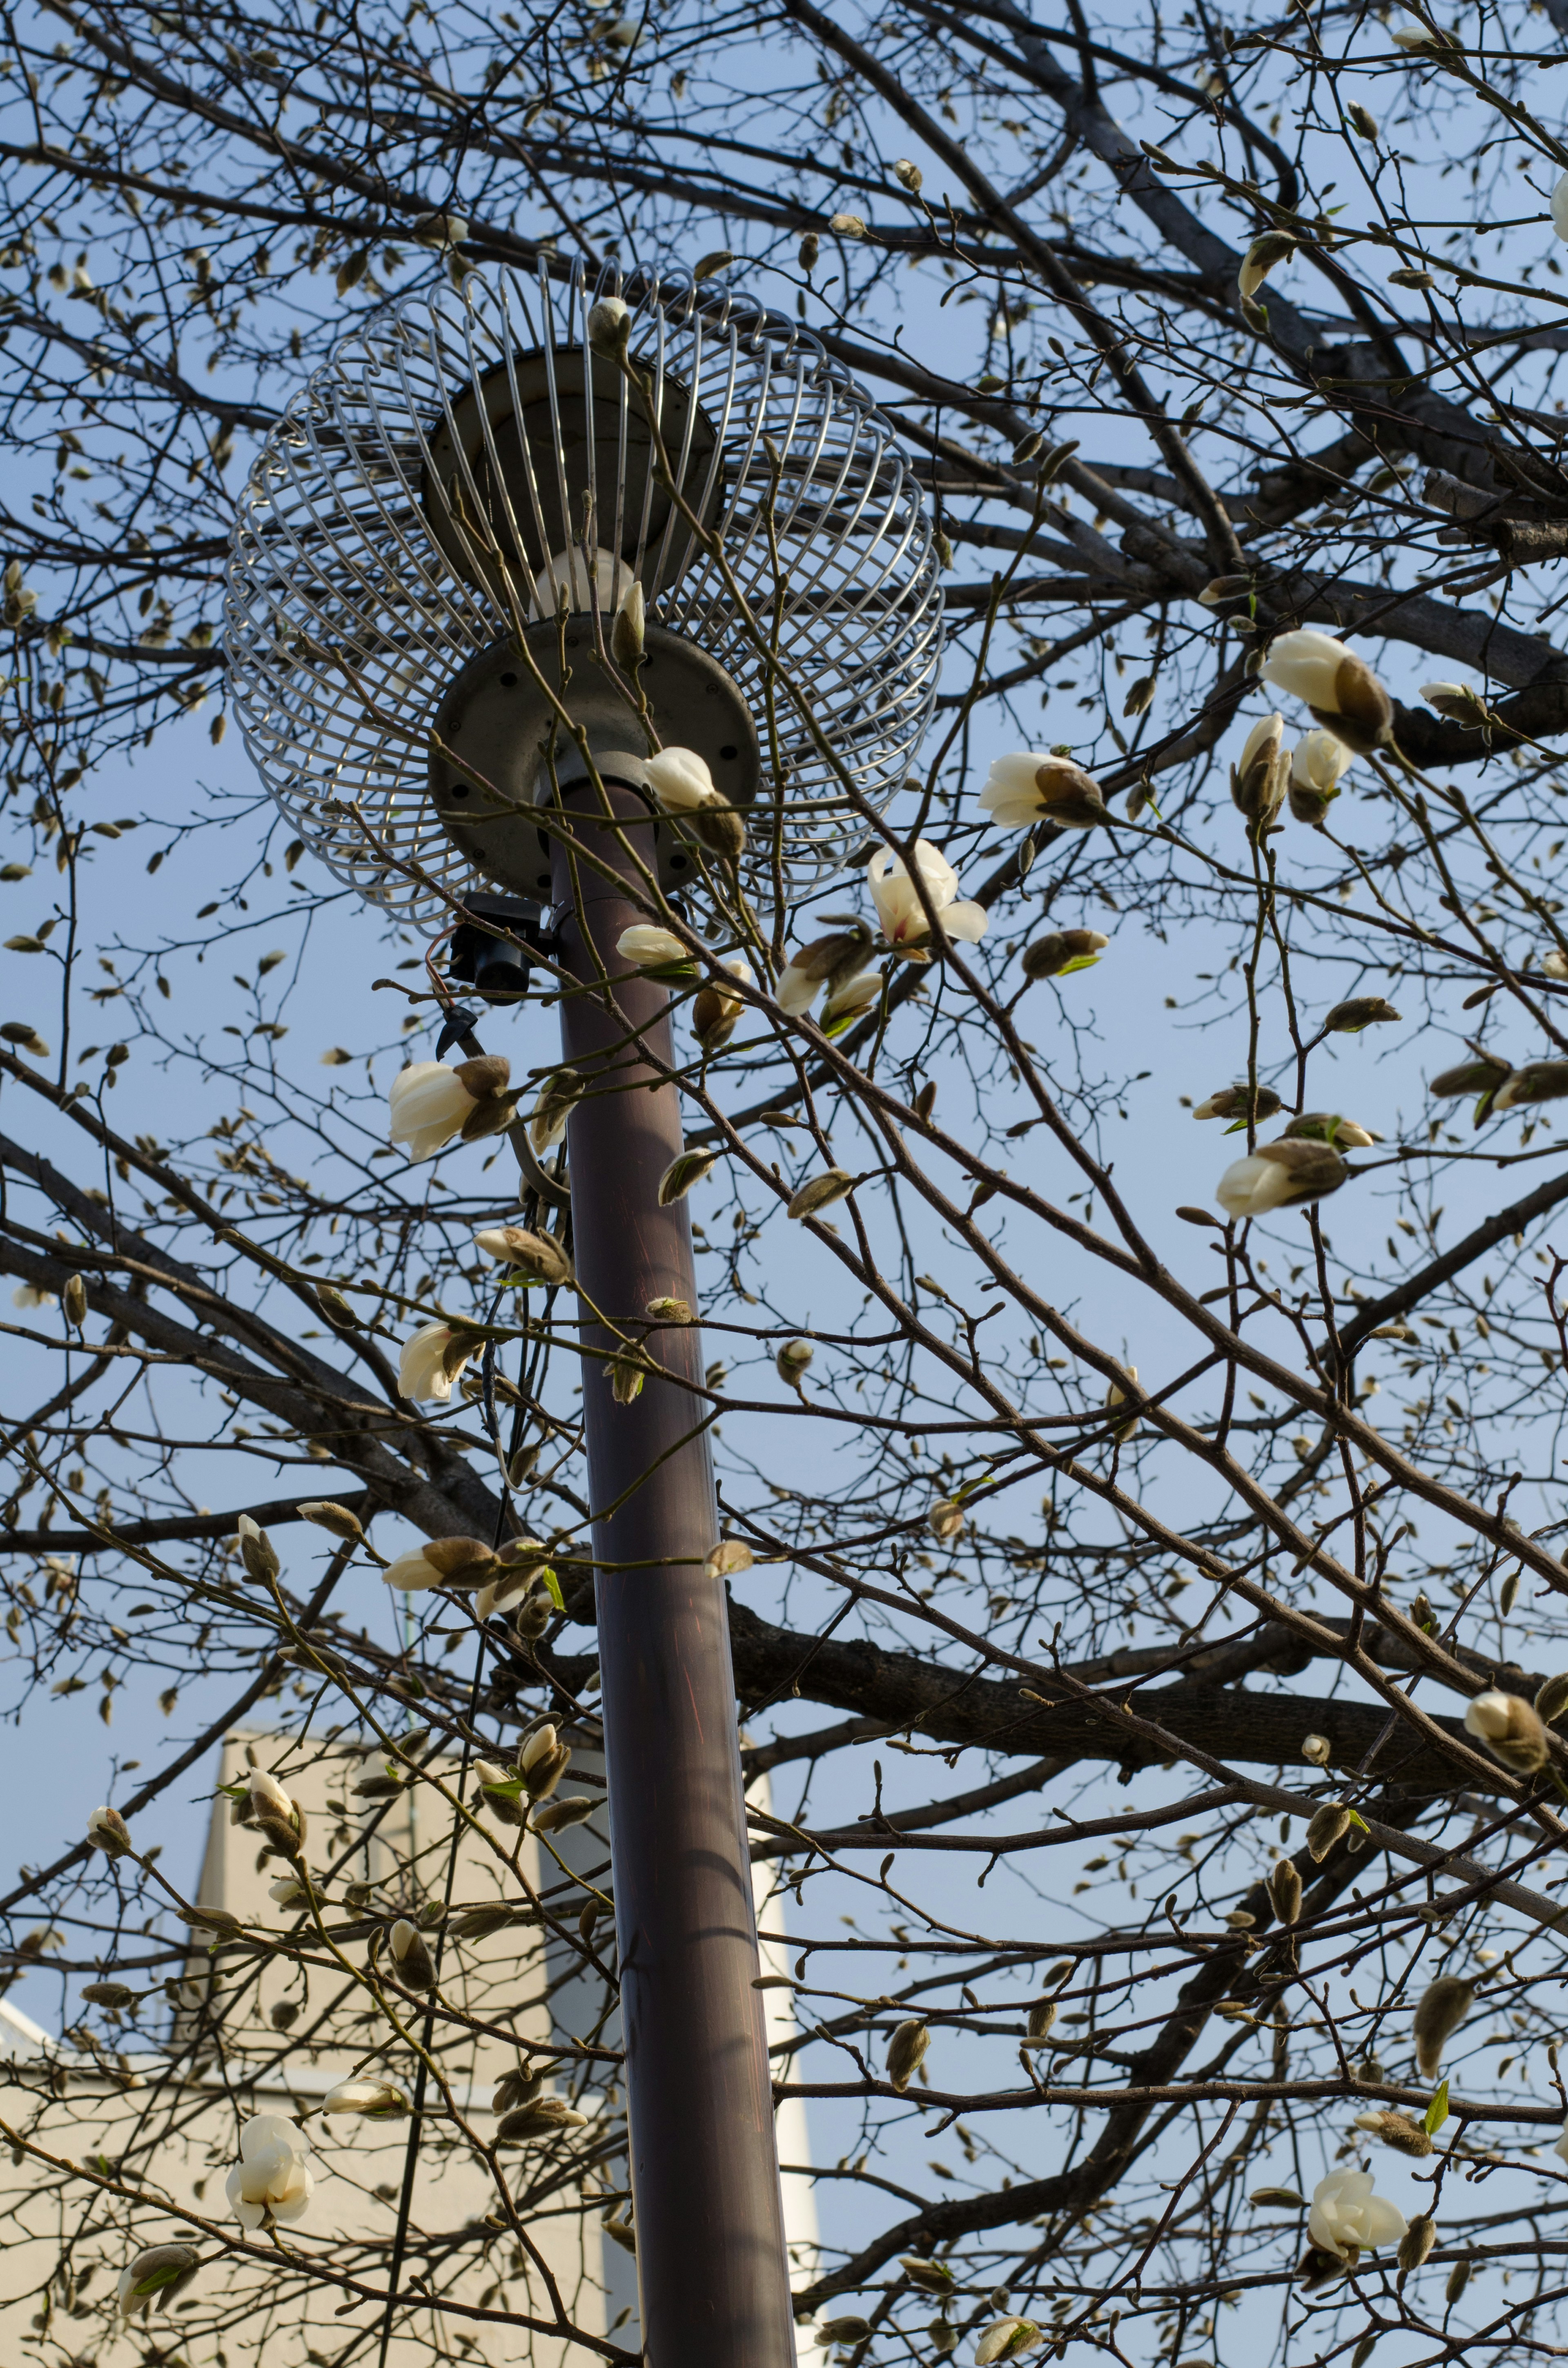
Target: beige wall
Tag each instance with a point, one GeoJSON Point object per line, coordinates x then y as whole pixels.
{"type": "Point", "coordinates": [179, 2132]}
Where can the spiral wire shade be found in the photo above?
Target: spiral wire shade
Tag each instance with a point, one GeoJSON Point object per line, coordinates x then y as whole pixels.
{"type": "Point", "coordinates": [395, 524]}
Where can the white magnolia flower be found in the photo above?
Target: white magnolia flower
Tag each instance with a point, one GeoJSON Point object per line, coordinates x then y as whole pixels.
{"type": "Point", "coordinates": [649, 946]}
{"type": "Point", "coordinates": [898, 905]}
{"type": "Point", "coordinates": [715, 1011]}
{"type": "Point", "coordinates": [28, 1294]}
{"type": "Point", "coordinates": [377, 2100]}
{"type": "Point", "coordinates": [1023, 788]}
{"type": "Point", "coordinates": [1560, 207]}
{"type": "Point", "coordinates": [1410, 36]}
{"type": "Point", "coordinates": [1258, 780]}
{"type": "Point", "coordinates": [1554, 963]}
{"type": "Point", "coordinates": [270, 2180]}
{"type": "Point", "coordinates": [680, 780]}
{"type": "Point", "coordinates": [422, 1369]}
{"type": "Point", "coordinates": [1319, 762]}
{"type": "Point", "coordinates": [431, 1102]}
{"type": "Point", "coordinates": [291, 1891]}
{"type": "Point", "coordinates": [1348, 2219]}
{"type": "Point", "coordinates": [1341, 690]}
{"type": "Point", "coordinates": [1560, 2144]}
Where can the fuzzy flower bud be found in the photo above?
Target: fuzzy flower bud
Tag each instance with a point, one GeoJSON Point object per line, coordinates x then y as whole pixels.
{"type": "Point", "coordinates": [1007, 2339]}
{"type": "Point", "coordinates": [1235, 1102]}
{"type": "Point", "coordinates": [1443, 2006]}
{"type": "Point", "coordinates": [373, 2100]}
{"type": "Point", "coordinates": [1279, 1176]}
{"type": "Point", "coordinates": [610, 325]}
{"type": "Point", "coordinates": [1061, 951]}
{"type": "Point", "coordinates": [152, 2278]}
{"type": "Point", "coordinates": [1396, 2130]}
{"type": "Point", "coordinates": [412, 1961]}
{"type": "Point", "coordinates": [431, 1361]}
{"type": "Point", "coordinates": [906, 2053]}
{"type": "Point", "coordinates": [1510, 1728]}
{"type": "Point", "coordinates": [108, 1831]}
{"type": "Point", "coordinates": [1023, 789]}
{"type": "Point", "coordinates": [257, 1551]}
{"type": "Point", "coordinates": [1257, 782]}
{"type": "Point", "coordinates": [791, 1361]}
{"type": "Point", "coordinates": [1319, 762]}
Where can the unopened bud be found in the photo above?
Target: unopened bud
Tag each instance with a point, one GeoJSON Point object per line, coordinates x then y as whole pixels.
{"type": "Point", "coordinates": [335, 1309]}
{"type": "Point", "coordinates": [337, 1519]}
{"type": "Point", "coordinates": [257, 1551]}
{"type": "Point", "coordinates": [1443, 2006]}
{"type": "Point", "coordinates": [412, 1961]}
{"type": "Point", "coordinates": [1316, 1751]}
{"type": "Point", "coordinates": [908, 176]}
{"type": "Point", "coordinates": [628, 633]}
{"type": "Point", "coordinates": [75, 1297]}
{"type": "Point", "coordinates": [609, 326]}
{"type": "Point", "coordinates": [906, 2053]}
{"type": "Point", "coordinates": [1285, 1891]}
{"type": "Point", "coordinates": [556, 1815]}
{"type": "Point", "coordinates": [793, 1360]}
{"type": "Point", "coordinates": [1552, 1698]}
{"type": "Point", "coordinates": [1329, 1826]}
{"type": "Point", "coordinates": [108, 1831]}
{"type": "Point", "coordinates": [1396, 2130]}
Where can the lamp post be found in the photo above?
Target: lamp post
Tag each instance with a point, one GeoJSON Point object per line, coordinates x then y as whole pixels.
{"type": "Point", "coordinates": [407, 621]}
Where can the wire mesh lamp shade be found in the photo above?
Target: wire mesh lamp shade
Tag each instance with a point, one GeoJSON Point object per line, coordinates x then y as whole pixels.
{"type": "Point", "coordinates": [454, 471]}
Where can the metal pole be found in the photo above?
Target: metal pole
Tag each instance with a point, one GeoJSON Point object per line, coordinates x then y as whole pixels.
{"type": "Point", "coordinates": [709, 2214]}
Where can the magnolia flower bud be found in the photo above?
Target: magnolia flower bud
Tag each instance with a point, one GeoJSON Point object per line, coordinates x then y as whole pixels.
{"type": "Point", "coordinates": [715, 1011]}
{"type": "Point", "coordinates": [337, 1519]}
{"type": "Point", "coordinates": [1061, 951]}
{"type": "Point", "coordinates": [681, 1174]}
{"type": "Point", "coordinates": [680, 780]}
{"type": "Point", "coordinates": [431, 1361]}
{"type": "Point", "coordinates": [849, 225]}
{"type": "Point", "coordinates": [542, 1763]}
{"type": "Point", "coordinates": [1459, 701]}
{"type": "Point", "coordinates": [650, 947]}
{"type": "Point", "coordinates": [848, 2329]}
{"type": "Point", "coordinates": [1116, 1395]}
{"type": "Point", "coordinates": [430, 1103]}
{"type": "Point", "coordinates": [1362, 1011]}
{"type": "Point", "coordinates": [906, 2053]}
{"type": "Point", "coordinates": [555, 1815]}
{"type": "Point", "coordinates": [1258, 783]}
{"type": "Point", "coordinates": [849, 1002]}
{"type": "Point", "coordinates": [1537, 1081]}
{"type": "Point", "coordinates": [820, 1192]}
{"type": "Point", "coordinates": [1443, 2006]}
{"type": "Point", "coordinates": [1510, 1728]}
{"type": "Point", "coordinates": [811, 248]}
{"type": "Point", "coordinates": [280, 1817]}
{"type": "Point", "coordinates": [1318, 764]}
{"type": "Point", "coordinates": [537, 1257]}
{"type": "Point", "coordinates": [945, 1520]}
{"type": "Point", "coordinates": [1327, 1826]}
{"type": "Point", "coordinates": [373, 2100]}
{"type": "Point", "coordinates": [458, 1563]}
{"type": "Point", "coordinates": [257, 1551]}
{"type": "Point", "coordinates": [545, 2117]}
{"type": "Point", "coordinates": [791, 1361]}
{"type": "Point", "coordinates": [533, 1615]}
{"type": "Point", "coordinates": [1553, 1700]}
{"type": "Point", "coordinates": [412, 1961]}
{"type": "Point", "coordinates": [1396, 2130]}
{"type": "Point", "coordinates": [610, 325]}
{"type": "Point", "coordinates": [439, 230]}
{"type": "Point", "coordinates": [108, 1831]}
{"type": "Point", "coordinates": [1041, 2015]}
{"type": "Point", "coordinates": [1285, 1890]}
{"type": "Point", "coordinates": [1237, 1102]}
{"type": "Point", "coordinates": [1269, 248]}
{"type": "Point", "coordinates": [1341, 690]}
{"type": "Point", "coordinates": [152, 2278]}
{"type": "Point", "coordinates": [669, 1310]}
{"type": "Point", "coordinates": [118, 1995]}
{"type": "Point", "coordinates": [514, 2089]}
{"type": "Point", "coordinates": [722, 829]}
{"type": "Point", "coordinates": [1417, 2241]}
{"type": "Point", "coordinates": [1327, 1126]}
{"type": "Point", "coordinates": [1279, 1176]}
{"type": "Point", "coordinates": [1023, 789]}
{"type": "Point", "coordinates": [21, 1032]}
{"type": "Point", "coordinates": [837, 960]}
{"type": "Point", "coordinates": [628, 633]}
{"type": "Point", "coordinates": [1316, 1751]}
{"type": "Point", "coordinates": [558, 1098]}
{"type": "Point", "coordinates": [73, 1298]}
{"type": "Point", "coordinates": [931, 2277]}
{"type": "Point", "coordinates": [336, 1310]}
{"type": "Point", "coordinates": [908, 176]}
{"type": "Point", "coordinates": [1007, 2339]}
{"type": "Point", "coordinates": [729, 1558]}
{"type": "Point", "coordinates": [498, 1791]}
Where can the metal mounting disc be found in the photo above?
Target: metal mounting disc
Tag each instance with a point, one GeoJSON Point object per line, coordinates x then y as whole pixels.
{"type": "Point", "coordinates": [498, 723]}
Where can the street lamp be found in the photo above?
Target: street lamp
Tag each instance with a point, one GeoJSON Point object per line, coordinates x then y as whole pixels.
{"type": "Point", "coordinates": [432, 546]}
